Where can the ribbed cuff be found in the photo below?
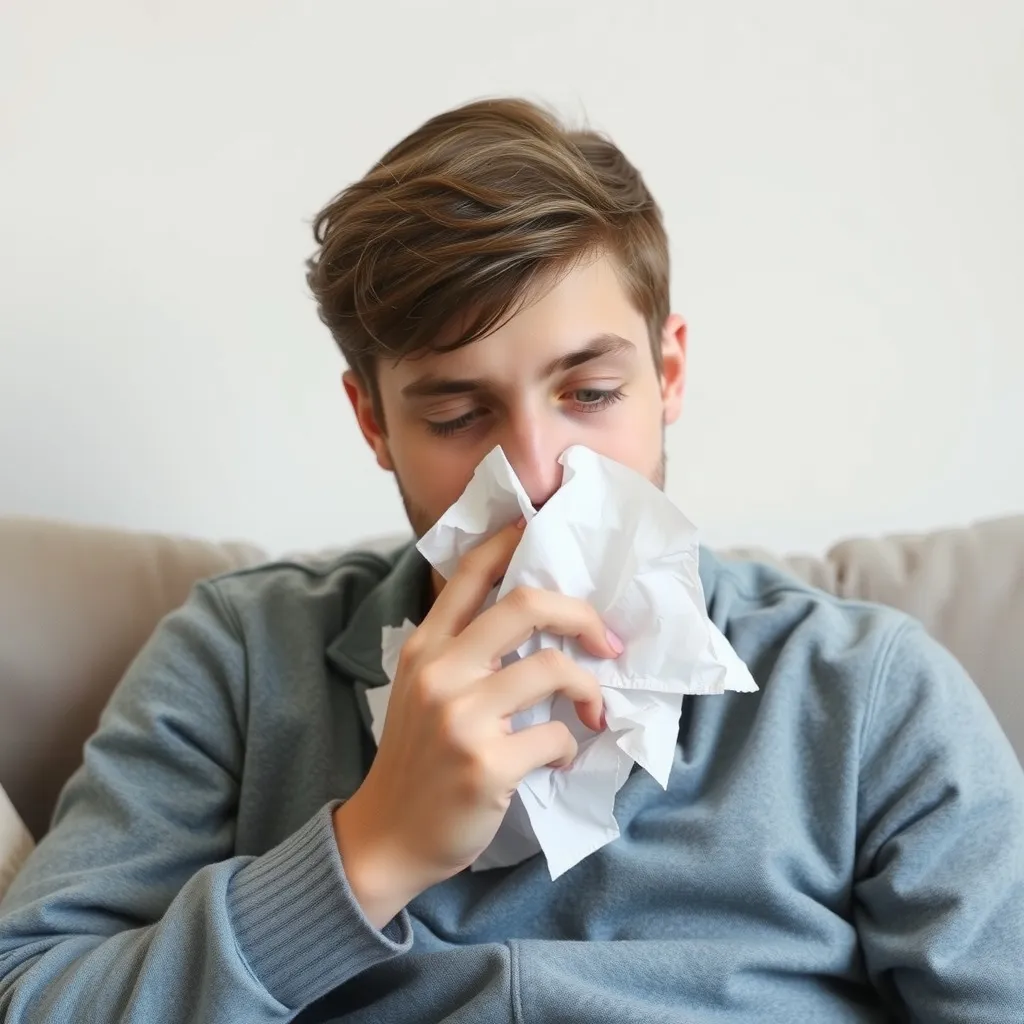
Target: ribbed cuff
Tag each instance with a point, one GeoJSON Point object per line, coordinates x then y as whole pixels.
{"type": "Point", "coordinates": [297, 923]}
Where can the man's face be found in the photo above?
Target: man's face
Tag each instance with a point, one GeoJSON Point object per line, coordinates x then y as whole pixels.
{"type": "Point", "coordinates": [574, 367]}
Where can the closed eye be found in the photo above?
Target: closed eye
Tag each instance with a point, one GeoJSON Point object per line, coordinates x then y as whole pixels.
{"type": "Point", "coordinates": [449, 427]}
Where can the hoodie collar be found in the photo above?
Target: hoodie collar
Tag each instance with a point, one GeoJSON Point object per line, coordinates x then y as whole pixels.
{"type": "Point", "coordinates": [403, 593]}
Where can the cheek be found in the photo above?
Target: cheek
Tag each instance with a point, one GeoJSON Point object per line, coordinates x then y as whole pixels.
{"type": "Point", "coordinates": [432, 474]}
{"type": "Point", "coordinates": [631, 432]}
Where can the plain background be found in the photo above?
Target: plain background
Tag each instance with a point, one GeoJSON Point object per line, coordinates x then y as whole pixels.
{"type": "Point", "coordinates": [843, 185]}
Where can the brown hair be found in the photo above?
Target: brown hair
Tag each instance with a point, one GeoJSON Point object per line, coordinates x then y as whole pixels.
{"type": "Point", "coordinates": [454, 227]}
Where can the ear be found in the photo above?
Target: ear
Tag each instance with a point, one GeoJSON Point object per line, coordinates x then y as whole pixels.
{"type": "Point", "coordinates": [673, 366]}
{"type": "Point", "coordinates": [366, 417]}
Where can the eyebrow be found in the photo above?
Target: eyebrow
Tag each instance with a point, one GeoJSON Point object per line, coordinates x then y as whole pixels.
{"type": "Point", "coordinates": [598, 347]}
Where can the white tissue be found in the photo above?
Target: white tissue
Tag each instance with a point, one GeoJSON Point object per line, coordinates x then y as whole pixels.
{"type": "Point", "coordinates": [610, 537]}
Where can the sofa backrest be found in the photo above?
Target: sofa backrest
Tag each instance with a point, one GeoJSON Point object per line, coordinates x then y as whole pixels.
{"type": "Point", "coordinates": [76, 604]}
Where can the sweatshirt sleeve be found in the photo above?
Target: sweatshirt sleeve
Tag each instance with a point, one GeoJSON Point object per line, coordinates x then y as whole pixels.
{"type": "Point", "coordinates": [940, 873]}
{"type": "Point", "coordinates": [134, 909]}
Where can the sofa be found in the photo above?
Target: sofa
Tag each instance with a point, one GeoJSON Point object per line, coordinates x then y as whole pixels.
{"type": "Point", "coordinates": [76, 604]}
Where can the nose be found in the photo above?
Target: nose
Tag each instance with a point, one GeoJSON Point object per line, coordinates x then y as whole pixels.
{"type": "Point", "coordinates": [532, 449]}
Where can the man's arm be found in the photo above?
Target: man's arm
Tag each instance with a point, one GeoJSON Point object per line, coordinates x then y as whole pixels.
{"type": "Point", "coordinates": [134, 908]}
{"type": "Point", "coordinates": [940, 873]}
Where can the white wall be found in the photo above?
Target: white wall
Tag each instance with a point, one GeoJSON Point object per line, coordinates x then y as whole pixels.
{"type": "Point", "coordinates": [842, 183]}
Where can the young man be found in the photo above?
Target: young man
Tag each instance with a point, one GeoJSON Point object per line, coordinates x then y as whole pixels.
{"type": "Point", "coordinates": [847, 844]}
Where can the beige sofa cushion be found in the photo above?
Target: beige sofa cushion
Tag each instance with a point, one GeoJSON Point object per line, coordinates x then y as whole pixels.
{"type": "Point", "coordinates": [76, 604]}
{"type": "Point", "coordinates": [15, 842]}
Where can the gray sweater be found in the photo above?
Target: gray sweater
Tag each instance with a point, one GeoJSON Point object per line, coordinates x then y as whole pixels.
{"type": "Point", "coordinates": [845, 845]}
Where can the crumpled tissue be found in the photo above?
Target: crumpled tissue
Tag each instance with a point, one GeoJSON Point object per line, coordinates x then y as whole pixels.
{"type": "Point", "coordinates": [611, 537]}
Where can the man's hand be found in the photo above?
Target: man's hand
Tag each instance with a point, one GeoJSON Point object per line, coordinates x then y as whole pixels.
{"type": "Point", "coordinates": [449, 762]}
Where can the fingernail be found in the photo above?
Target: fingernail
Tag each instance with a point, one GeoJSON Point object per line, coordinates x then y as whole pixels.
{"type": "Point", "coordinates": [614, 642]}
{"type": "Point", "coordinates": [604, 720]}
{"type": "Point", "coordinates": [521, 522]}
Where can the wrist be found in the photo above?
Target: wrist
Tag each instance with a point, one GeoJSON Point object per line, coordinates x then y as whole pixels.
{"type": "Point", "coordinates": [377, 874]}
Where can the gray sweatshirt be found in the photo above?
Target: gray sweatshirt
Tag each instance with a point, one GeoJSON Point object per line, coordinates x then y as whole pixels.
{"type": "Point", "coordinates": [845, 845]}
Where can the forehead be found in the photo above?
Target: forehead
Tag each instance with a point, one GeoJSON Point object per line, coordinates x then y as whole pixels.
{"type": "Point", "coordinates": [587, 303]}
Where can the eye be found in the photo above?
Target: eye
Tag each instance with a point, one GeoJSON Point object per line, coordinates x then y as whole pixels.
{"type": "Point", "coordinates": [596, 399]}
{"type": "Point", "coordinates": [449, 427]}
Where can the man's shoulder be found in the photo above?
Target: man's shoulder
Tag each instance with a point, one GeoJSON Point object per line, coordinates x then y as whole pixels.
{"type": "Point", "coordinates": [809, 636]}
{"type": "Point", "coordinates": [328, 586]}
{"type": "Point", "coordinates": [771, 597]}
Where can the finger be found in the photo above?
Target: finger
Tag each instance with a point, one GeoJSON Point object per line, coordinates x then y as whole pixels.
{"type": "Point", "coordinates": [479, 572]}
{"type": "Point", "coordinates": [548, 745]}
{"type": "Point", "coordinates": [526, 610]}
{"type": "Point", "coordinates": [529, 681]}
